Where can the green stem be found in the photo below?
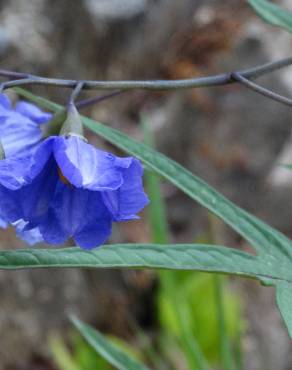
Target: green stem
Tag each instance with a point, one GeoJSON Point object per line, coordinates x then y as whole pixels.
{"type": "Point", "coordinates": [159, 229]}
{"type": "Point", "coordinates": [193, 351]}
{"type": "Point", "coordinates": [22, 79]}
{"type": "Point", "coordinates": [225, 348]}
{"type": "Point", "coordinates": [238, 348]}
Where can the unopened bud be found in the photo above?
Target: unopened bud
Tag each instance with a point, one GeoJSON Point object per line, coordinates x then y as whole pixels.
{"type": "Point", "coordinates": [72, 125]}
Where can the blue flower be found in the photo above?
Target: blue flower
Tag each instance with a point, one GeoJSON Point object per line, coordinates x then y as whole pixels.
{"type": "Point", "coordinates": [69, 189]}
{"type": "Point", "coordinates": [19, 126]}
{"type": "Point", "coordinates": [19, 133]}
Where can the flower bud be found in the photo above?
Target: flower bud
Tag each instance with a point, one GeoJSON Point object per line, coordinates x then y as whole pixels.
{"type": "Point", "coordinates": [72, 125]}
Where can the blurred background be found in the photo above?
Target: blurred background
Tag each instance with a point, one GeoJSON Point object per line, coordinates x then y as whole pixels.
{"type": "Point", "coordinates": [231, 137]}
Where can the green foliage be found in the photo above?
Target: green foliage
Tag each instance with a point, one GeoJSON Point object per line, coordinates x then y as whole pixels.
{"type": "Point", "coordinates": [108, 350]}
{"type": "Point", "coordinates": [195, 292]}
{"type": "Point", "coordinates": [156, 208]}
{"type": "Point", "coordinates": [61, 356]}
{"type": "Point", "coordinates": [82, 356]}
{"type": "Point", "coordinates": [272, 265]}
{"type": "Point", "coordinates": [287, 166]}
{"type": "Point", "coordinates": [284, 301]}
{"type": "Point", "coordinates": [159, 229]}
{"type": "Point", "coordinates": [272, 13]}
{"type": "Point", "coordinates": [202, 257]}
{"type": "Point", "coordinates": [191, 306]}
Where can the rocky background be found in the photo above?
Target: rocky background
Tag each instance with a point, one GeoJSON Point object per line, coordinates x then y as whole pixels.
{"type": "Point", "coordinates": [229, 136]}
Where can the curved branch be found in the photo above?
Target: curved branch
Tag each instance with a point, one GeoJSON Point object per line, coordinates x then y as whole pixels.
{"type": "Point", "coordinates": [261, 90]}
{"type": "Point", "coordinates": [21, 79]}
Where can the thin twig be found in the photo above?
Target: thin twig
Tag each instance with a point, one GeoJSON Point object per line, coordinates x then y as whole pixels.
{"type": "Point", "coordinates": [97, 99]}
{"type": "Point", "coordinates": [2, 87]}
{"type": "Point", "coordinates": [216, 80]}
{"type": "Point", "coordinates": [261, 90]}
{"type": "Point", "coordinates": [13, 75]}
{"type": "Point", "coordinates": [75, 92]}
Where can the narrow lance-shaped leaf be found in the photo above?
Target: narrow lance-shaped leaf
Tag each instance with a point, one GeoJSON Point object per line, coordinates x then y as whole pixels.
{"type": "Point", "coordinates": [114, 355]}
{"type": "Point", "coordinates": [174, 256]}
{"type": "Point", "coordinates": [284, 302]}
{"type": "Point", "coordinates": [272, 13]}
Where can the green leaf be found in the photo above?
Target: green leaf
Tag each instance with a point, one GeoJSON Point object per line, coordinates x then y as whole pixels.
{"type": "Point", "coordinates": [200, 257]}
{"type": "Point", "coordinates": [114, 355]}
{"type": "Point", "coordinates": [61, 355]}
{"type": "Point", "coordinates": [287, 166]}
{"type": "Point", "coordinates": [284, 301]}
{"type": "Point", "coordinates": [272, 14]}
{"type": "Point", "coordinates": [274, 249]}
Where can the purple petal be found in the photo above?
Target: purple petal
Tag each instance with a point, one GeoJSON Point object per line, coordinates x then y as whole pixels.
{"type": "Point", "coordinates": [32, 112]}
{"type": "Point", "coordinates": [31, 237]}
{"type": "Point", "coordinates": [79, 214]}
{"type": "Point", "coordinates": [19, 127]}
{"type": "Point", "coordinates": [51, 229]}
{"type": "Point", "coordinates": [18, 134]}
{"type": "Point", "coordinates": [16, 172]}
{"type": "Point", "coordinates": [35, 198]}
{"type": "Point", "coordinates": [9, 207]}
{"type": "Point", "coordinates": [123, 162]}
{"type": "Point", "coordinates": [13, 172]}
{"type": "Point", "coordinates": [5, 102]}
{"type": "Point", "coordinates": [18, 131]}
{"type": "Point", "coordinates": [84, 166]}
{"type": "Point", "coordinates": [130, 198]}
{"type": "Point", "coordinates": [70, 206]}
{"type": "Point", "coordinates": [41, 156]}
{"type": "Point", "coordinates": [94, 234]}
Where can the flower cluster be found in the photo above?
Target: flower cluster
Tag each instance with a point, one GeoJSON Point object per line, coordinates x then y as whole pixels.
{"type": "Point", "coordinates": [64, 187]}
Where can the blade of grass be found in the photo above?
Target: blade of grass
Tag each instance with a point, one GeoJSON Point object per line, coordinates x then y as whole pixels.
{"type": "Point", "coordinates": [61, 356]}
{"type": "Point", "coordinates": [159, 230]}
{"type": "Point", "coordinates": [225, 347]}
{"type": "Point", "coordinates": [226, 355]}
{"type": "Point", "coordinates": [156, 209]}
{"type": "Point", "coordinates": [149, 349]}
{"type": "Point", "coordinates": [238, 348]}
{"type": "Point", "coordinates": [108, 350]}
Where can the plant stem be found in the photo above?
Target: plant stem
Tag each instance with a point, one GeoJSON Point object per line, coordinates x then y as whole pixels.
{"type": "Point", "coordinates": [97, 99]}
{"type": "Point", "coordinates": [225, 346]}
{"type": "Point", "coordinates": [261, 90]}
{"type": "Point", "coordinates": [20, 79]}
{"type": "Point", "coordinates": [225, 350]}
{"type": "Point", "coordinates": [158, 223]}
